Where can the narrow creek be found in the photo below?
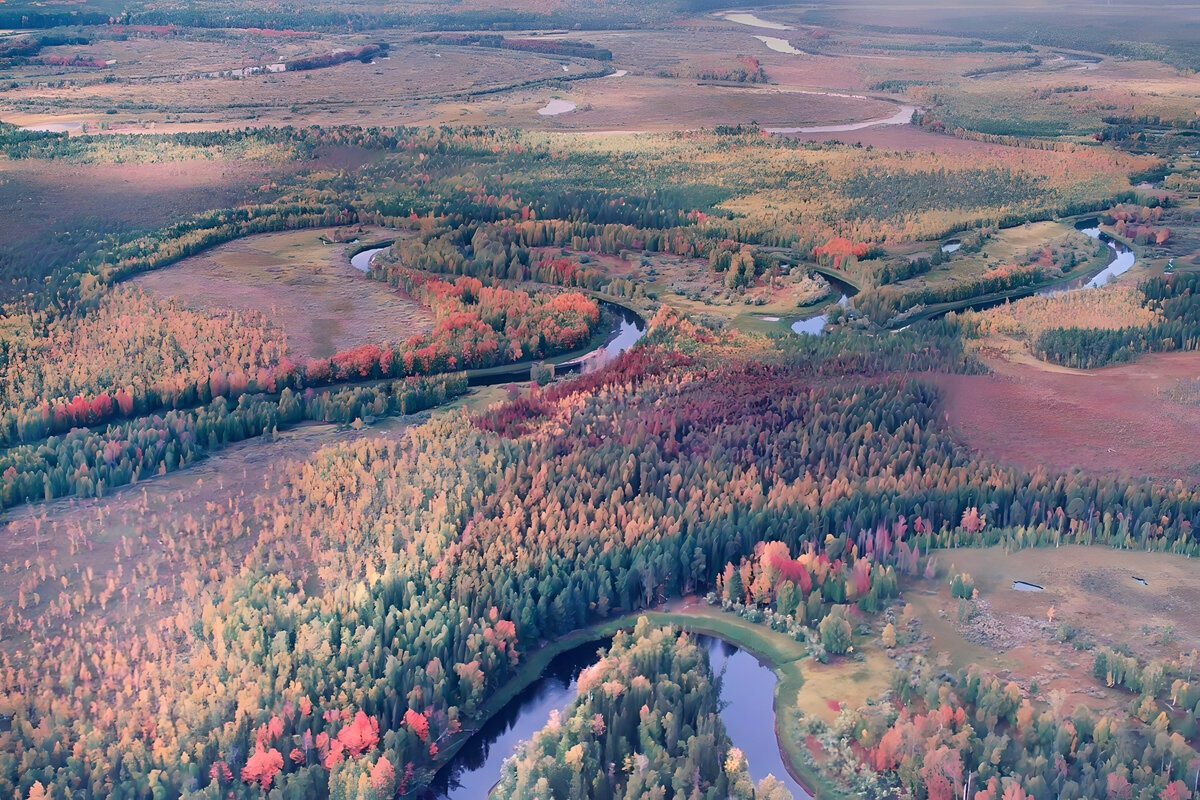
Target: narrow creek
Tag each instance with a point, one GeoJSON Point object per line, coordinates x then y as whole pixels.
{"type": "Point", "coordinates": [748, 711]}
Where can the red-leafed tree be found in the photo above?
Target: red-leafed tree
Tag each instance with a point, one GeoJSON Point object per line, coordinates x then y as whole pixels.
{"type": "Point", "coordinates": [262, 767]}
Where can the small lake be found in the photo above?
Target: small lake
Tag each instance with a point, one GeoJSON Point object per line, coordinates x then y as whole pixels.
{"type": "Point", "coordinates": [1022, 586]}
{"type": "Point", "coordinates": [362, 261]}
{"type": "Point", "coordinates": [747, 694]}
{"type": "Point", "coordinates": [753, 21]}
{"type": "Point", "coordinates": [556, 106]}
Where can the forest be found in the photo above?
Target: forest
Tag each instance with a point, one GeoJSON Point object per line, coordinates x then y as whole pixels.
{"type": "Point", "coordinates": [326, 441]}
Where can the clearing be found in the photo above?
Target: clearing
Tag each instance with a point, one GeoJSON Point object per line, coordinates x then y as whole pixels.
{"type": "Point", "coordinates": [304, 286]}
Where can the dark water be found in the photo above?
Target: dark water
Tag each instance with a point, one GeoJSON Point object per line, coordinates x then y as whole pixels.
{"type": "Point", "coordinates": [476, 767]}
{"type": "Point", "coordinates": [747, 696]}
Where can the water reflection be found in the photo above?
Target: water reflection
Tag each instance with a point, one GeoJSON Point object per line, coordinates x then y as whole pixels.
{"type": "Point", "coordinates": [747, 694]}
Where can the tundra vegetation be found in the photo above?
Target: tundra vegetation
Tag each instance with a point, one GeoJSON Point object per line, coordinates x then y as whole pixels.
{"type": "Point", "coordinates": [236, 568]}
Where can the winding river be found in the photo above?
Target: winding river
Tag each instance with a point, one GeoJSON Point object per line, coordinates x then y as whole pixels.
{"type": "Point", "coordinates": [1122, 261]}
{"type": "Point", "coordinates": [903, 116]}
{"type": "Point", "coordinates": [747, 693]}
{"type": "Point", "coordinates": [814, 325]}
{"type": "Point", "coordinates": [362, 261]}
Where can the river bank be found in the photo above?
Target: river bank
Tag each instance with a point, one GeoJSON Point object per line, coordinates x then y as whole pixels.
{"type": "Point", "coordinates": [774, 652]}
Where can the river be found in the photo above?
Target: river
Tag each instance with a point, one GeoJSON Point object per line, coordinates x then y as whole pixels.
{"type": "Point", "coordinates": [628, 327]}
{"type": "Point", "coordinates": [903, 116]}
{"type": "Point", "coordinates": [815, 325]}
{"type": "Point", "coordinates": [747, 693]}
{"type": "Point", "coordinates": [362, 261]}
{"type": "Point", "coordinates": [1122, 261]}
{"type": "Point", "coordinates": [753, 21]}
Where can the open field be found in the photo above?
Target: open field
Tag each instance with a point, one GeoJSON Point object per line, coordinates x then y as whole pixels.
{"type": "Point", "coordinates": [302, 285]}
{"type": "Point", "coordinates": [1116, 420]}
{"type": "Point", "coordinates": [1031, 243]}
{"type": "Point", "coordinates": [50, 210]}
{"type": "Point", "coordinates": [1091, 589]}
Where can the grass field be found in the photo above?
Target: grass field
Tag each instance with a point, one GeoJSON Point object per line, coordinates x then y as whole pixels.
{"type": "Point", "coordinates": [1092, 590]}
{"type": "Point", "coordinates": [304, 286]}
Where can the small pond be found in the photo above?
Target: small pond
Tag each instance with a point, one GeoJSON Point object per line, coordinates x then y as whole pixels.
{"type": "Point", "coordinates": [952, 246]}
{"type": "Point", "coordinates": [1022, 586]}
{"type": "Point", "coordinates": [556, 107]}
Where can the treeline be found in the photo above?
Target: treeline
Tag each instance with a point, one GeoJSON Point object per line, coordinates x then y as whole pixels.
{"type": "Point", "coordinates": [1017, 67]}
{"type": "Point", "coordinates": [21, 50]}
{"type": "Point", "coordinates": [649, 707]}
{"type": "Point", "coordinates": [884, 304]}
{"type": "Point", "coordinates": [556, 47]}
{"type": "Point", "coordinates": [125, 354]}
{"type": "Point", "coordinates": [364, 17]}
{"type": "Point", "coordinates": [446, 555]}
{"type": "Point", "coordinates": [974, 46]}
{"type": "Point", "coordinates": [797, 595]}
{"type": "Point", "coordinates": [363, 54]}
{"type": "Point", "coordinates": [90, 462]}
{"type": "Point", "coordinates": [746, 69]}
{"type": "Point", "coordinates": [925, 346]}
{"type": "Point", "coordinates": [1175, 298]}
{"type": "Point", "coordinates": [941, 728]}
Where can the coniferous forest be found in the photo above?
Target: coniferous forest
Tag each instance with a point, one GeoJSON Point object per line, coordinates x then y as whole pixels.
{"type": "Point", "coordinates": [601, 400]}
